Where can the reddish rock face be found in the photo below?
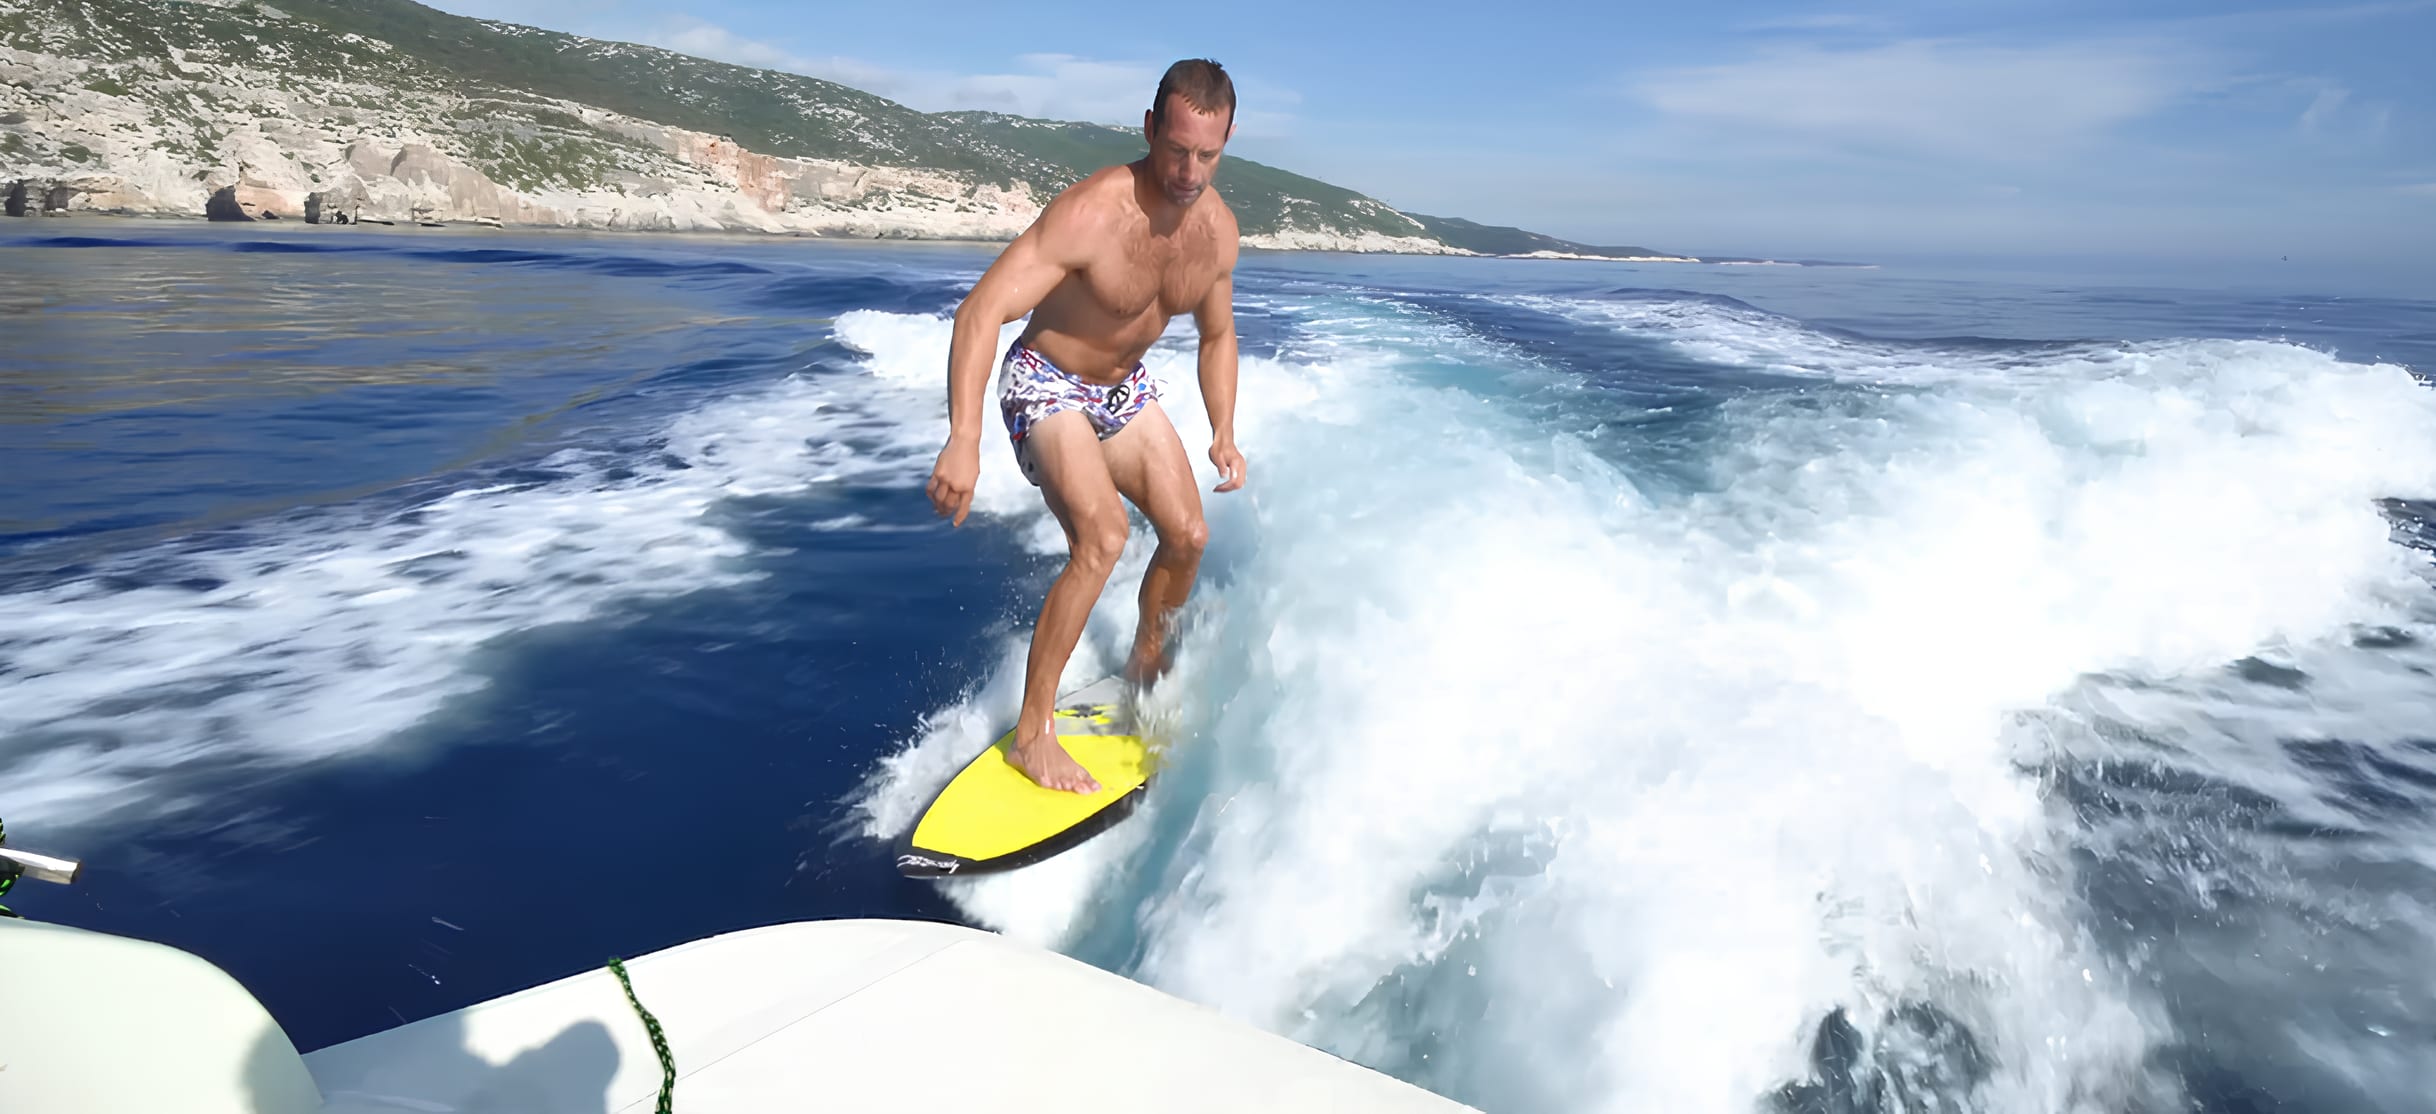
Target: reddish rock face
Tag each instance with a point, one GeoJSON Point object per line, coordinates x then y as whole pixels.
{"type": "Point", "coordinates": [264, 203]}
{"type": "Point", "coordinates": [250, 202]}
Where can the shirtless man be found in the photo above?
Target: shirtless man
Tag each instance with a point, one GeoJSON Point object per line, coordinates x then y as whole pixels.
{"type": "Point", "coordinates": [1102, 271]}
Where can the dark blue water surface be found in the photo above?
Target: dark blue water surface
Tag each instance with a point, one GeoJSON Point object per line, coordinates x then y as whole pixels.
{"type": "Point", "coordinates": [620, 785]}
{"type": "Point", "coordinates": [624, 764]}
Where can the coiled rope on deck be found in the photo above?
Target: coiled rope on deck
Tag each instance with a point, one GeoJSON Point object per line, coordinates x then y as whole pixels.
{"type": "Point", "coordinates": [651, 1025]}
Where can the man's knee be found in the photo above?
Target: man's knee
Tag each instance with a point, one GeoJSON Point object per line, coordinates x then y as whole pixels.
{"type": "Point", "coordinates": [1098, 542]}
{"type": "Point", "coordinates": [1188, 538]}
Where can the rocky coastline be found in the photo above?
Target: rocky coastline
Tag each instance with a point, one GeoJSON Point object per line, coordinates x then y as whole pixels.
{"type": "Point", "coordinates": [237, 110]}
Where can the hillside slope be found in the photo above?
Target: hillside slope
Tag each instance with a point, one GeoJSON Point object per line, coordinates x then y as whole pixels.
{"type": "Point", "coordinates": [386, 110]}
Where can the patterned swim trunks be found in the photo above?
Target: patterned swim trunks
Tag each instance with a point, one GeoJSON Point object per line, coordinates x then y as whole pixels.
{"type": "Point", "coordinates": [1031, 388]}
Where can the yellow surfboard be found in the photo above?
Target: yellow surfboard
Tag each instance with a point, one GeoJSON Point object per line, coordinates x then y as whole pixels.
{"type": "Point", "coordinates": [990, 817]}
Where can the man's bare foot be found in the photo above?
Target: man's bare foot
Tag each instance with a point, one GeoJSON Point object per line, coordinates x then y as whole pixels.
{"type": "Point", "coordinates": [1048, 764]}
{"type": "Point", "coordinates": [1144, 668]}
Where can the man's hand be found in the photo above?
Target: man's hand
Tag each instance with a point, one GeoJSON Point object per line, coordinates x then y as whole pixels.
{"type": "Point", "coordinates": [1230, 464]}
{"type": "Point", "coordinates": [1214, 315]}
{"type": "Point", "coordinates": [952, 479]}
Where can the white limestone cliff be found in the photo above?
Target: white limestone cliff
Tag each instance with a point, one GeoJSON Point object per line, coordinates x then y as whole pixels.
{"type": "Point", "coordinates": [248, 147]}
{"type": "Point", "coordinates": [266, 152]}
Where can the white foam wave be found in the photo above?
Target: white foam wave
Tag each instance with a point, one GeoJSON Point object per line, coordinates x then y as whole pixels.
{"type": "Point", "coordinates": [1742, 337]}
{"type": "Point", "coordinates": [1663, 782]}
{"type": "Point", "coordinates": [332, 631]}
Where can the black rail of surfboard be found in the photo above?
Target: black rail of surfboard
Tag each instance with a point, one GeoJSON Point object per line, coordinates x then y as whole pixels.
{"type": "Point", "coordinates": [921, 862]}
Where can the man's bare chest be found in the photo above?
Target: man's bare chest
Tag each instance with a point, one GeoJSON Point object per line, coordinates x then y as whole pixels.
{"type": "Point", "coordinates": [1142, 276]}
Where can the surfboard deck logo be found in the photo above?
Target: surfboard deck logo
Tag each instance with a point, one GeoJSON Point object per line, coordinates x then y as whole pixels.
{"type": "Point", "coordinates": [990, 817]}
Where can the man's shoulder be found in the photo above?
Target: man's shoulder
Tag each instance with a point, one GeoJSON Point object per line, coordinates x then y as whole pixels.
{"type": "Point", "coordinates": [1222, 216]}
{"type": "Point", "coordinates": [1222, 222]}
{"type": "Point", "coordinates": [1092, 202]}
{"type": "Point", "coordinates": [1098, 190]}
{"type": "Point", "coordinates": [1225, 234]}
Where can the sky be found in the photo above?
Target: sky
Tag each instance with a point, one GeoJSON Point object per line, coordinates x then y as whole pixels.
{"type": "Point", "coordinates": [2161, 129]}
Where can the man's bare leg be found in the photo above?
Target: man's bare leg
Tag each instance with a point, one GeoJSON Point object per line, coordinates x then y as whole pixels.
{"type": "Point", "coordinates": [1074, 479]}
{"type": "Point", "coordinates": [1147, 463]}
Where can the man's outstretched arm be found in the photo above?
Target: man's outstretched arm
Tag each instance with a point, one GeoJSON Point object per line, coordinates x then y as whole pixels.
{"type": "Point", "coordinates": [1014, 285]}
{"type": "Point", "coordinates": [1215, 318]}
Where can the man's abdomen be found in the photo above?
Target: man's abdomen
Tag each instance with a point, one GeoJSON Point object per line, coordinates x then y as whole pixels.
{"type": "Point", "coordinates": [1082, 337]}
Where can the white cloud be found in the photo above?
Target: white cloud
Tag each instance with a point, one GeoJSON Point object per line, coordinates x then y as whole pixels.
{"type": "Point", "coordinates": [1942, 98]}
{"type": "Point", "coordinates": [2334, 114]}
{"type": "Point", "coordinates": [2286, 20]}
{"type": "Point", "coordinates": [2323, 107]}
{"type": "Point", "coordinates": [1041, 85]}
{"type": "Point", "coordinates": [687, 35]}
{"type": "Point", "coordinates": [706, 40]}
{"type": "Point", "coordinates": [1067, 87]}
{"type": "Point", "coordinates": [1057, 87]}
{"type": "Point", "coordinates": [1821, 21]}
{"type": "Point", "coordinates": [1045, 86]}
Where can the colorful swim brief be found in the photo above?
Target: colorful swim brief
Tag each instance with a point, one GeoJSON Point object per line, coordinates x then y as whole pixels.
{"type": "Point", "coordinates": [1031, 388]}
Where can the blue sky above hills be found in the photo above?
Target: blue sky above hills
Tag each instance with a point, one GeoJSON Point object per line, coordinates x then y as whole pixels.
{"type": "Point", "coordinates": [2158, 129]}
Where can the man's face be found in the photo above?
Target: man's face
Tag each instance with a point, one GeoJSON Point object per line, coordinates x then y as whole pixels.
{"type": "Point", "coordinates": [1185, 147]}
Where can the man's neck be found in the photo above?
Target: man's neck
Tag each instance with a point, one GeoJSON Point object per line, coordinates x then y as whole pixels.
{"type": "Point", "coordinates": [1164, 215]}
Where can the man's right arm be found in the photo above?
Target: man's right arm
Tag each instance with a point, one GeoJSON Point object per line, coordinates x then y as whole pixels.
{"type": "Point", "coordinates": [1025, 273]}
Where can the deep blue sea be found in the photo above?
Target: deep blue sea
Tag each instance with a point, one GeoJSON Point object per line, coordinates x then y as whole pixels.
{"type": "Point", "coordinates": [1936, 686]}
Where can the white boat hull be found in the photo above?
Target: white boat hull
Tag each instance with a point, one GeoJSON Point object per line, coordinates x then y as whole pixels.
{"type": "Point", "coordinates": [848, 1015]}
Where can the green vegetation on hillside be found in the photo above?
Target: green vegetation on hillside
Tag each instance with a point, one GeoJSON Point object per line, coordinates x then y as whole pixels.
{"type": "Point", "coordinates": [769, 112]}
{"type": "Point", "coordinates": [1489, 239]}
{"type": "Point", "coordinates": [1260, 195]}
{"type": "Point", "coordinates": [496, 93]}
{"type": "Point", "coordinates": [116, 33]}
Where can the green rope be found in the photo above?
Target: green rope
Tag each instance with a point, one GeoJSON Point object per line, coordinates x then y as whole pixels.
{"type": "Point", "coordinates": [8, 876]}
{"type": "Point", "coordinates": [659, 1040]}
{"type": "Point", "coordinates": [8, 881]}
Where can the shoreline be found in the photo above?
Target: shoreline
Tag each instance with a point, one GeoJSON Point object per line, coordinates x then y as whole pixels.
{"type": "Point", "coordinates": [755, 235]}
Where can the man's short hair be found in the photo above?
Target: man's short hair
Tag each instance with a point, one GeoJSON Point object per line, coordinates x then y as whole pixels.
{"type": "Point", "coordinates": [1203, 84]}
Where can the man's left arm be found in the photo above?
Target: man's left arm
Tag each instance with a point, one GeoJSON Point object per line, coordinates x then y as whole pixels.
{"type": "Point", "coordinates": [1215, 318]}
